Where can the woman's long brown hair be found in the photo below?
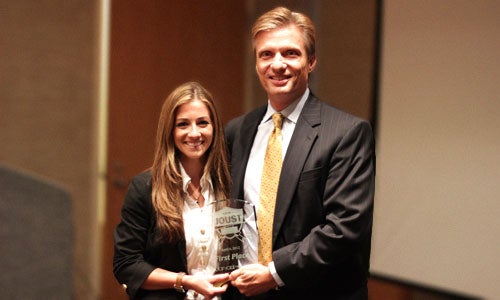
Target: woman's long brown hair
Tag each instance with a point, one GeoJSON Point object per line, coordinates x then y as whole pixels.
{"type": "Point", "coordinates": [166, 178]}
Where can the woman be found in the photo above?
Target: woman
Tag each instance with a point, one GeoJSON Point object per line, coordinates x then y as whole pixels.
{"type": "Point", "coordinates": [164, 232]}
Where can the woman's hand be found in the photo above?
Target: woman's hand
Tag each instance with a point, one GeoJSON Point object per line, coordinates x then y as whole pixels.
{"type": "Point", "coordinates": [208, 286]}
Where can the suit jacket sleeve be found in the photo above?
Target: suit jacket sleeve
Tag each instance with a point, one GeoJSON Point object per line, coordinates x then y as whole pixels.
{"type": "Point", "coordinates": [131, 235]}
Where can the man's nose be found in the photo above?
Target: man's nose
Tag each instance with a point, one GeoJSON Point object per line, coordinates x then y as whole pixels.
{"type": "Point", "coordinates": [278, 63]}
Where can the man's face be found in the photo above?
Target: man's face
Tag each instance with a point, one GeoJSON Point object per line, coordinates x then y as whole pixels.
{"type": "Point", "coordinates": [282, 64]}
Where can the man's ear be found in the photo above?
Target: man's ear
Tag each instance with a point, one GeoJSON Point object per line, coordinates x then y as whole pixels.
{"type": "Point", "coordinates": [312, 63]}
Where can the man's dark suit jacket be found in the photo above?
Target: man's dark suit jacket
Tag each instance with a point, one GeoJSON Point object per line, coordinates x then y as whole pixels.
{"type": "Point", "coordinates": [324, 208]}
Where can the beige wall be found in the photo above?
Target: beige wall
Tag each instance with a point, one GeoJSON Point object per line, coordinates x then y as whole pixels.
{"type": "Point", "coordinates": [438, 146]}
{"type": "Point", "coordinates": [47, 108]}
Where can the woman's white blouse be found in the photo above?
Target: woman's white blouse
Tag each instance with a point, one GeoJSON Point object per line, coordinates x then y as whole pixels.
{"type": "Point", "coordinates": [201, 245]}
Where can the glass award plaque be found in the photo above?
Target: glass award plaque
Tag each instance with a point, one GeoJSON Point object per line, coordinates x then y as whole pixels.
{"type": "Point", "coordinates": [235, 229]}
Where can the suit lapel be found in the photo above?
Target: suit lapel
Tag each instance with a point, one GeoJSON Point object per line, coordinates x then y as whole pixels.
{"type": "Point", "coordinates": [303, 137]}
{"type": "Point", "coordinates": [245, 139]}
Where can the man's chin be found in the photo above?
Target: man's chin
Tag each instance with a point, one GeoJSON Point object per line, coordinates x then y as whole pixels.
{"type": "Point", "coordinates": [278, 90]}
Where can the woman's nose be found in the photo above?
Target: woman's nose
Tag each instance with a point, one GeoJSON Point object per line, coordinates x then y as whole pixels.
{"type": "Point", "coordinates": [194, 130]}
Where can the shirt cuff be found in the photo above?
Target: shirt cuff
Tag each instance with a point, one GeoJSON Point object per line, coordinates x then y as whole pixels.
{"type": "Point", "coordinates": [275, 275]}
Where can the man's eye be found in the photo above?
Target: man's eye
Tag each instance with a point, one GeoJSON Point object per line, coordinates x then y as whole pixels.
{"type": "Point", "coordinates": [291, 53]}
{"type": "Point", "coordinates": [265, 54]}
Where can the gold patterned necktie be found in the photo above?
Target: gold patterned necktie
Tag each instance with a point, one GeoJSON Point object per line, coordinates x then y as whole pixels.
{"type": "Point", "coordinates": [268, 191]}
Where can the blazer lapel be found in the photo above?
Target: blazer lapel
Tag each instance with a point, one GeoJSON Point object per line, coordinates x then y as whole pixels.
{"type": "Point", "coordinates": [303, 137]}
{"type": "Point", "coordinates": [244, 144]}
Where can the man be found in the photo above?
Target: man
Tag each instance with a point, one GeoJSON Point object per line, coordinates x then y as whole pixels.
{"type": "Point", "coordinates": [321, 229]}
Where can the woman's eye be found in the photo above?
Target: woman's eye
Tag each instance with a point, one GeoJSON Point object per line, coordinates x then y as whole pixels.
{"type": "Point", "coordinates": [182, 124]}
{"type": "Point", "coordinates": [203, 123]}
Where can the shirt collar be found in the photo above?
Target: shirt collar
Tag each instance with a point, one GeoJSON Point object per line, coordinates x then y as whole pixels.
{"type": "Point", "coordinates": [204, 182]}
{"type": "Point", "coordinates": [291, 112]}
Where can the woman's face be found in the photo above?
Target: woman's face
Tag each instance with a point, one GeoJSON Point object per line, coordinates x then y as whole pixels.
{"type": "Point", "coordinates": [193, 130]}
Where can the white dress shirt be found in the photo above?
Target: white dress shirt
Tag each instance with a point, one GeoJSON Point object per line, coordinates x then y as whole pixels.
{"type": "Point", "coordinates": [253, 173]}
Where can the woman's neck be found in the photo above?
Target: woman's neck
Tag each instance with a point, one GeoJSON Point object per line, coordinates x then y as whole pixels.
{"type": "Point", "coordinates": [195, 192]}
{"type": "Point", "coordinates": [194, 169]}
